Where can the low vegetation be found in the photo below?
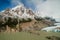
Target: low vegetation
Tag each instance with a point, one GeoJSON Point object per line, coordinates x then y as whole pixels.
{"type": "Point", "coordinates": [29, 36]}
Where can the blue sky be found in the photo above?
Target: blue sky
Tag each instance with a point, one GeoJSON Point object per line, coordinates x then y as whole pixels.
{"type": "Point", "coordinates": [4, 4]}
{"type": "Point", "coordinates": [11, 3]}
{"type": "Point", "coordinates": [44, 7]}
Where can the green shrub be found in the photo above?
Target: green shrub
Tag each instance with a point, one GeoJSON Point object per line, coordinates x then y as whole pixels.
{"type": "Point", "coordinates": [38, 18]}
{"type": "Point", "coordinates": [25, 20]}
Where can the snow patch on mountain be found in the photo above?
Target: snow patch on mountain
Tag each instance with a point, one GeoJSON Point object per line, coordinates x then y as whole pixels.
{"type": "Point", "coordinates": [19, 11]}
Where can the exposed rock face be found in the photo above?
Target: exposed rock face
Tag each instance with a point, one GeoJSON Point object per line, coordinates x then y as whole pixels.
{"type": "Point", "coordinates": [23, 17]}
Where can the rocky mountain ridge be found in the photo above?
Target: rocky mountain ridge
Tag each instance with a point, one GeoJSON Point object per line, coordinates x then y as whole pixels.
{"type": "Point", "coordinates": [21, 18]}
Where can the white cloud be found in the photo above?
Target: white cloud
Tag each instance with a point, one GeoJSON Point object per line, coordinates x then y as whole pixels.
{"type": "Point", "coordinates": [45, 8]}
{"type": "Point", "coordinates": [48, 8]}
{"type": "Point", "coordinates": [15, 2]}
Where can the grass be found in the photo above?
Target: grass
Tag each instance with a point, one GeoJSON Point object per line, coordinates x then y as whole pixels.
{"type": "Point", "coordinates": [26, 36]}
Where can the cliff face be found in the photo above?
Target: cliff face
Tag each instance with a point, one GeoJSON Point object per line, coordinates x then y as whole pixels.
{"type": "Point", "coordinates": [20, 18]}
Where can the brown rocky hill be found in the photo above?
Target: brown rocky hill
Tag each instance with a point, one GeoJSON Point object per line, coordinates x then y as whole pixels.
{"type": "Point", "coordinates": [20, 18]}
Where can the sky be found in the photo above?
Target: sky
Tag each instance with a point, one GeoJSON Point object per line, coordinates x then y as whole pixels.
{"type": "Point", "coordinates": [44, 7]}
{"type": "Point", "coordinates": [12, 3]}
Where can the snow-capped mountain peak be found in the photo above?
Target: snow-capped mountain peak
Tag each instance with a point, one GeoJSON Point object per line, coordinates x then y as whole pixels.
{"type": "Point", "coordinates": [20, 11]}
{"type": "Point", "coordinates": [18, 6]}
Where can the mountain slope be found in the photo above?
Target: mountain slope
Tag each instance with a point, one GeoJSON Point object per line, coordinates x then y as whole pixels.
{"type": "Point", "coordinates": [24, 18]}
